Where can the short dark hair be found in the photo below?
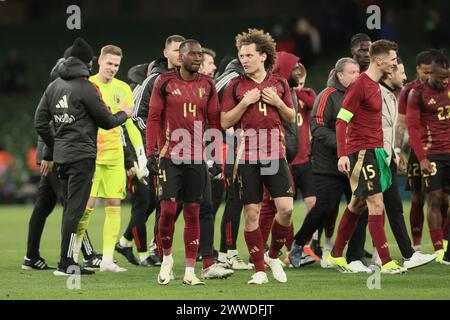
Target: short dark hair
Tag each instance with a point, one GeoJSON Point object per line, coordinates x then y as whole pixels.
{"type": "Point", "coordinates": [424, 57]}
{"type": "Point", "coordinates": [440, 58]}
{"type": "Point", "coordinates": [358, 38]}
{"type": "Point", "coordinates": [264, 44]}
{"type": "Point", "coordinates": [380, 47]}
{"type": "Point", "coordinates": [174, 38]}
{"type": "Point", "coordinates": [184, 44]}
{"type": "Point", "coordinates": [399, 60]}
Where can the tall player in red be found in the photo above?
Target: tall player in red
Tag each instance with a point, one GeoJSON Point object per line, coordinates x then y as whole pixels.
{"type": "Point", "coordinates": [182, 101]}
{"type": "Point", "coordinates": [414, 182]}
{"type": "Point", "coordinates": [256, 103]}
{"type": "Point", "coordinates": [428, 119]}
{"type": "Point", "coordinates": [361, 155]}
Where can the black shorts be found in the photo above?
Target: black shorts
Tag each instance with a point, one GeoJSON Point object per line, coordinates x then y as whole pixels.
{"type": "Point", "coordinates": [184, 182]}
{"type": "Point", "coordinates": [364, 173]}
{"type": "Point", "coordinates": [304, 179]}
{"type": "Point", "coordinates": [439, 178]}
{"type": "Point", "coordinates": [414, 182]}
{"type": "Point", "coordinates": [252, 177]}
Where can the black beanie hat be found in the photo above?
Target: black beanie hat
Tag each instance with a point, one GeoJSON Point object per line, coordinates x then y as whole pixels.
{"type": "Point", "coordinates": [67, 52]}
{"type": "Point", "coordinates": [82, 50]}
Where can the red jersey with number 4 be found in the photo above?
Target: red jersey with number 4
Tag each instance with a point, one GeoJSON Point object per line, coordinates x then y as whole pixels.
{"type": "Point", "coordinates": [306, 98]}
{"type": "Point", "coordinates": [364, 131]}
{"type": "Point", "coordinates": [178, 113]}
{"type": "Point", "coordinates": [428, 119]}
{"type": "Point", "coordinates": [261, 122]}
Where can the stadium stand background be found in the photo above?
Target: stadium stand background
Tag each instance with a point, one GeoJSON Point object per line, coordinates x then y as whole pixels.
{"type": "Point", "coordinates": [37, 31]}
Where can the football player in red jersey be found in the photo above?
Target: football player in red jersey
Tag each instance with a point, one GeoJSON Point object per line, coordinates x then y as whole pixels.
{"type": "Point", "coordinates": [258, 102]}
{"type": "Point", "coordinates": [414, 182]}
{"type": "Point", "coordinates": [182, 101]}
{"type": "Point", "coordinates": [428, 119]}
{"type": "Point", "coordinates": [362, 157]}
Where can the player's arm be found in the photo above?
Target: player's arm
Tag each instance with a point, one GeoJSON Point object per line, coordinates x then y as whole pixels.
{"type": "Point", "coordinates": [400, 127]}
{"type": "Point", "coordinates": [142, 102]}
{"type": "Point", "coordinates": [156, 107]}
{"type": "Point", "coordinates": [98, 110]}
{"type": "Point", "coordinates": [308, 96]}
{"type": "Point", "coordinates": [136, 140]}
{"type": "Point", "coordinates": [413, 123]}
{"type": "Point", "coordinates": [352, 100]}
{"type": "Point", "coordinates": [213, 109]}
{"type": "Point", "coordinates": [42, 120]}
{"type": "Point", "coordinates": [284, 105]}
{"type": "Point", "coordinates": [321, 117]}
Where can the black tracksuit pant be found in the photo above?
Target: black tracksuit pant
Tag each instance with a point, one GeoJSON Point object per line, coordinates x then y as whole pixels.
{"type": "Point", "coordinates": [329, 191]}
{"type": "Point", "coordinates": [76, 182]}
{"type": "Point", "coordinates": [49, 193]}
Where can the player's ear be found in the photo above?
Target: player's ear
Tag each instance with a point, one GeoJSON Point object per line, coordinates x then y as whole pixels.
{"type": "Point", "coordinates": [263, 57]}
{"type": "Point", "coordinates": [165, 53]}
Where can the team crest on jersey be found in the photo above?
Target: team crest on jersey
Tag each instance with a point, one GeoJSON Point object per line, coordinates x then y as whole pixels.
{"type": "Point", "coordinates": [116, 98]}
{"type": "Point", "coordinates": [201, 92]}
{"type": "Point", "coordinates": [431, 101]}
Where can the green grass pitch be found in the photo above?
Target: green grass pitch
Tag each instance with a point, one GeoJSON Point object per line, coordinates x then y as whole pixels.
{"type": "Point", "coordinates": [312, 282]}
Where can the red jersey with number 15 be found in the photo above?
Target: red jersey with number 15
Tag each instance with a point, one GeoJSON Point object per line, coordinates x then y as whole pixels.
{"type": "Point", "coordinates": [179, 110]}
{"type": "Point", "coordinates": [264, 119]}
{"type": "Point", "coordinates": [428, 119]}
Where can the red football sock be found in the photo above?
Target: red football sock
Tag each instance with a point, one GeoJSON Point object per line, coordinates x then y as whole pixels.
{"type": "Point", "coordinates": [445, 222]}
{"type": "Point", "coordinates": [207, 262]}
{"type": "Point", "coordinates": [279, 236]}
{"type": "Point", "coordinates": [436, 238]}
{"type": "Point", "coordinates": [416, 218]}
{"type": "Point", "coordinates": [376, 230]}
{"type": "Point", "coordinates": [255, 248]}
{"type": "Point", "coordinates": [266, 217]}
{"type": "Point", "coordinates": [191, 213]}
{"type": "Point", "coordinates": [166, 225]}
{"type": "Point", "coordinates": [346, 228]}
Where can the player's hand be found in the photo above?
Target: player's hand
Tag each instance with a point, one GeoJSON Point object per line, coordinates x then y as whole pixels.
{"type": "Point", "coordinates": [344, 165]}
{"type": "Point", "coordinates": [270, 96]}
{"type": "Point", "coordinates": [141, 173]}
{"type": "Point", "coordinates": [425, 166]}
{"type": "Point", "coordinates": [152, 165]}
{"type": "Point", "coordinates": [251, 96]}
{"type": "Point", "coordinates": [128, 110]}
{"type": "Point", "coordinates": [215, 170]}
{"type": "Point", "coordinates": [131, 172]}
{"type": "Point", "coordinates": [46, 167]}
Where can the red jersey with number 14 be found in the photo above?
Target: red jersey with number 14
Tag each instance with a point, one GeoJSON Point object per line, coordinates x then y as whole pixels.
{"type": "Point", "coordinates": [428, 115]}
{"type": "Point", "coordinates": [179, 110]}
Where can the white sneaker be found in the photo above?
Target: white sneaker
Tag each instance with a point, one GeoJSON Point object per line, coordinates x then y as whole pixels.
{"type": "Point", "coordinates": [236, 263]}
{"type": "Point", "coordinates": [165, 273]}
{"type": "Point", "coordinates": [111, 267]}
{"type": "Point", "coordinates": [192, 280]}
{"type": "Point", "coordinates": [376, 260]}
{"type": "Point", "coordinates": [277, 269]}
{"type": "Point", "coordinates": [216, 271]}
{"type": "Point", "coordinates": [259, 278]}
{"type": "Point", "coordinates": [324, 263]}
{"type": "Point", "coordinates": [358, 266]}
{"type": "Point", "coordinates": [418, 259]}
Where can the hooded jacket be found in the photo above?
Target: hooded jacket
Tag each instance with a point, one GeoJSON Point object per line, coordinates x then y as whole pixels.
{"type": "Point", "coordinates": [284, 66]}
{"type": "Point", "coordinates": [233, 70]}
{"type": "Point", "coordinates": [143, 92]}
{"type": "Point", "coordinates": [323, 128]}
{"type": "Point", "coordinates": [76, 108]}
{"type": "Point", "coordinates": [137, 74]}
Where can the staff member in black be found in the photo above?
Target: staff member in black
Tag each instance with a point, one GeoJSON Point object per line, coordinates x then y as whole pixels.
{"type": "Point", "coordinates": [76, 108]}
